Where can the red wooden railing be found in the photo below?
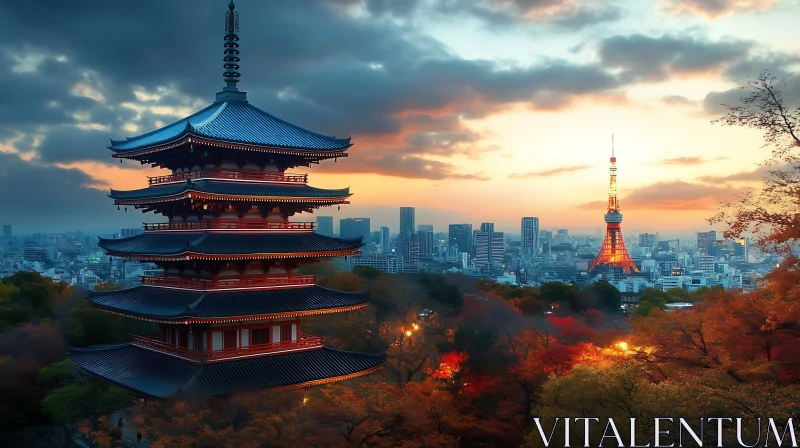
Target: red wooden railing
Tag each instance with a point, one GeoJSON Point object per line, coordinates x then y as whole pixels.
{"type": "Point", "coordinates": [223, 224]}
{"type": "Point", "coordinates": [230, 174]}
{"type": "Point", "coordinates": [222, 283]}
{"type": "Point", "coordinates": [154, 343]}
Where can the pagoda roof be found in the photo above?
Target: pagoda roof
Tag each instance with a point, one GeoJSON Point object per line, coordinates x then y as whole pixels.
{"type": "Point", "coordinates": [229, 245]}
{"type": "Point", "coordinates": [226, 188]}
{"type": "Point", "coordinates": [160, 303]}
{"type": "Point", "coordinates": [235, 121]}
{"type": "Point", "coordinates": [160, 375]}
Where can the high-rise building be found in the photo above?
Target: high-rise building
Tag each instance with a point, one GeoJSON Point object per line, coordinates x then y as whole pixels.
{"type": "Point", "coordinates": [229, 304]}
{"type": "Point", "coordinates": [384, 242]}
{"type": "Point", "coordinates": [407, 220]}
{"type": "Point", "coordinates": [325, 225]}
{"type": "Point", "coordinates": [125, 233]}
{"type": "Point", "coordinates": [354, 227]}
{"type": "Point", "coordinates": [530, 236]}
{"type": "Point", "coordinates": [487, 227]}
{"type": "Point", "coordinates": [460, 236]}
{"type": "Point", "coordinates": [482, 249]}
{"type": "Point", "coordinates": [648, 240]}
{"type": "Point", "coordinates": [408, 247]}
{"type": "Point", "coordinates": [545, 236]}
{"type": "Point", "coordinates": [7, 232]}
{"type": "Point", "coordinates": [613, 251]}
{"type": "Point", "coordinates": [705, 240]}
{"type": "Point", "coordinates": [425, 244]}
{"type": "Point", "coordinates": [425, 228]}
{"type": "Point", "coordinates": [498, 247]}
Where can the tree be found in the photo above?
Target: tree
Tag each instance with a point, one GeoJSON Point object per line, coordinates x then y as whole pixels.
{"type": "Point", "coordinates": [773, 213]}
{"type": "Point", "coordinates": [651, 299]}
{"type": "Point", "coordinates": [607, 296]}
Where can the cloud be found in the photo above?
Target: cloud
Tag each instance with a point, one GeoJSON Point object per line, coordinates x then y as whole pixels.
{"type": "Point", "coordinates": [715, 8]}
{"type": "Point", "coordinates": [756, 175]}
{"type": "Point", "coordinates": [550, 172]}
{"type": "Point", "coordinates": [671, 195]}
{"type": "Point", "coordinates": [44, 195]}
{"type": "Point", "coordinates": [696, 160]}
{"type": "Point", "coordinates": [398, 165]}
{"type": "Point", "coordinates": [677, 100]}
{"type": "Point", "coordinates": [646, 58]}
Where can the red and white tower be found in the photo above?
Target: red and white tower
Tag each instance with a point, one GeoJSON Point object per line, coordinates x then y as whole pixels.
{"type": "Point", "coordinates": [613, 252]}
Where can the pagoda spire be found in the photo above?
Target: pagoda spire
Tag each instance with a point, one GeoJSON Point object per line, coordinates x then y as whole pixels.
{"type": "Point", "coordinates": [231, 48]}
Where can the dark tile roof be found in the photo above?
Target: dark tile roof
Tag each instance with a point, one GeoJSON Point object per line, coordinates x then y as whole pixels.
{"type": "Point", "coordinates": [160, 376]}
{"type": "Point", "coordinates": [169, 303]}
{"type": "Point", "coordinates": [169, 244]}
{"type": "Point", "coordinates": [232, 189]}
{"type": "Point", "coordinates": [238, 122]}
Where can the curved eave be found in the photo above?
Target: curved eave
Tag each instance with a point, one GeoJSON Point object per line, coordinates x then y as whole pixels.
{"type": "Point", "coordinates": [259, 256]}
{"type": "Point", "coordinates": [226, 197]}
{"type": "Point", "coordinates": [189, 320]}
{"type": "Point", "coordinates": [190, 137]}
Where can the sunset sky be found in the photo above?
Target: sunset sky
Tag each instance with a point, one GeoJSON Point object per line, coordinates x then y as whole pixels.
{"type": "Point", "coordinates": [471, 111]}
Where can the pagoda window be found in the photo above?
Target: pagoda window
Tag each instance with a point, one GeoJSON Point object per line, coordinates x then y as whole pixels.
{"type": "Point", "coordinates": [216, 340]}
{"type": "Point", "coordinates": [183, 337]}
{"type": "Point", "coordinates": [276, 334]}
{"type": "Point", "coordinates": [245, 335]}
{"type": "Point", "coordinates": [229, 339]}
{"type": "Point", "coordinates": [260, 336]}
{"type": "Point", "coordinates": [294, 332]}
{"type": "Point", "coordinates": [286, 332]}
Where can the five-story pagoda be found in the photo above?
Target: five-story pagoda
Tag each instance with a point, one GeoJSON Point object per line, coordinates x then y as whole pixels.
{"type": "Point", "coordinates": [229, 304]}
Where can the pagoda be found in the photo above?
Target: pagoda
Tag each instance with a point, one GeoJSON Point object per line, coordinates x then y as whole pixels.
{"type": "Point", "coordinates": [229, 303]}
{"type": "Point", "coordinates": [613, 252]}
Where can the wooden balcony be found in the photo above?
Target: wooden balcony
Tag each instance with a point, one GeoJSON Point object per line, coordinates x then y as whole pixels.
{"type": "Point", "coordinates": [296, 179]}
{"type": "Point", "coordinates": [231, 224]}
{"type": "Point", "coordinates": [268, 281]}
{"type": "Point", "coordinates": [198, 356]}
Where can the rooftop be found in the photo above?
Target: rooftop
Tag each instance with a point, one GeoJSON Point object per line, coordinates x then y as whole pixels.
{"type": "Point", "coordinates": [160, 375]}
{"type": "Point", "coordinates": [235, 121]}
{"type": "Point", "coordinates": [225, 189]}
{"type": "Point", "coordinates": [186, 245]}
{"type": "Point", "coordinates": [198, 306]}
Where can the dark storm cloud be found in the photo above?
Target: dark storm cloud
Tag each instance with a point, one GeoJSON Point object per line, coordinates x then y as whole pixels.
{"type": "Point", "coordinates": [43, 196]}
{"type": "Point", "coordinates": [645, 58]}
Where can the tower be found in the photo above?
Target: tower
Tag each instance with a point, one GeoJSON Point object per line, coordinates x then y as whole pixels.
{"type": "Point", "coordinates": [530, 236]}
{"type": "Point", "coordinates": [229, 304]}
{"type": "Point", "coordinates": [613, 252]}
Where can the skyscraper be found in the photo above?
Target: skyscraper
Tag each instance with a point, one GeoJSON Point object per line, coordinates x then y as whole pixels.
{"type": "Point", "coordinates": [425, 243]}
{"type": "Point", "coordinates": [487, 227]}
{"type": "Point", "coordinates": [407, 220]}
{"type": "Point", "coordinates": [530, 236]}
{"type": "Point", "coordinates": [384, 241]}
{"type": "Point", "coordinates": [325, 225]}
{"type": "Point", "coordinates": [460, 236]}
{"type": "Point", "coordinates": [498, 247]}
{"type": "Point", "coordinates": [705, 240]}
{"type": "Point", "coordinates": [354, 228]}
{"type": "Point", "coordinates": [648, 240]}
{"type": "Point", "coordinates": [482, 249]}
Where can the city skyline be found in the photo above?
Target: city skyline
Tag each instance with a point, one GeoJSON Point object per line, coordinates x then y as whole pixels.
{"type": "Point", "coordinates": [466, 104]}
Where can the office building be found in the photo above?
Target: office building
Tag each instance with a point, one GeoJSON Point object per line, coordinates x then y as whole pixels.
{"type": "Point", "coordinates": [530, 236]}
{"type": "Point", "coordinates": [705, 240]}
{"type": "Point", "coordinates": [648, 240]}
{"type": "Point", "coordinates": [354, 228]}
{"type": "Point", "coordinates": [407, 220]}
{"type": "Point", "coordinates": [460, 236]}
{"type": "Point", "coordinates": [425, 244]}
{"type": "Point", "coordinates": [325, 225]}
{"type": "Point", "coordinates": [384, 242]}
{"type": "Point", "coordinates": [498, 247]}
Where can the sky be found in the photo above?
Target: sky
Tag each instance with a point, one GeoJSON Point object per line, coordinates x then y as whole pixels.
{"type": "Point", "coordinates": [470, 111]}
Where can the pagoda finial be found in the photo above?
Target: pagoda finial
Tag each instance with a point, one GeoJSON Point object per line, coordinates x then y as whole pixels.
{"type": "Point", "coordinates": [231, 48]}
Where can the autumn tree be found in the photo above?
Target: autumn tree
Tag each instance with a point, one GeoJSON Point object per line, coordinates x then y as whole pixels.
{"type": "Point", "coordinates": [773, 213]}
